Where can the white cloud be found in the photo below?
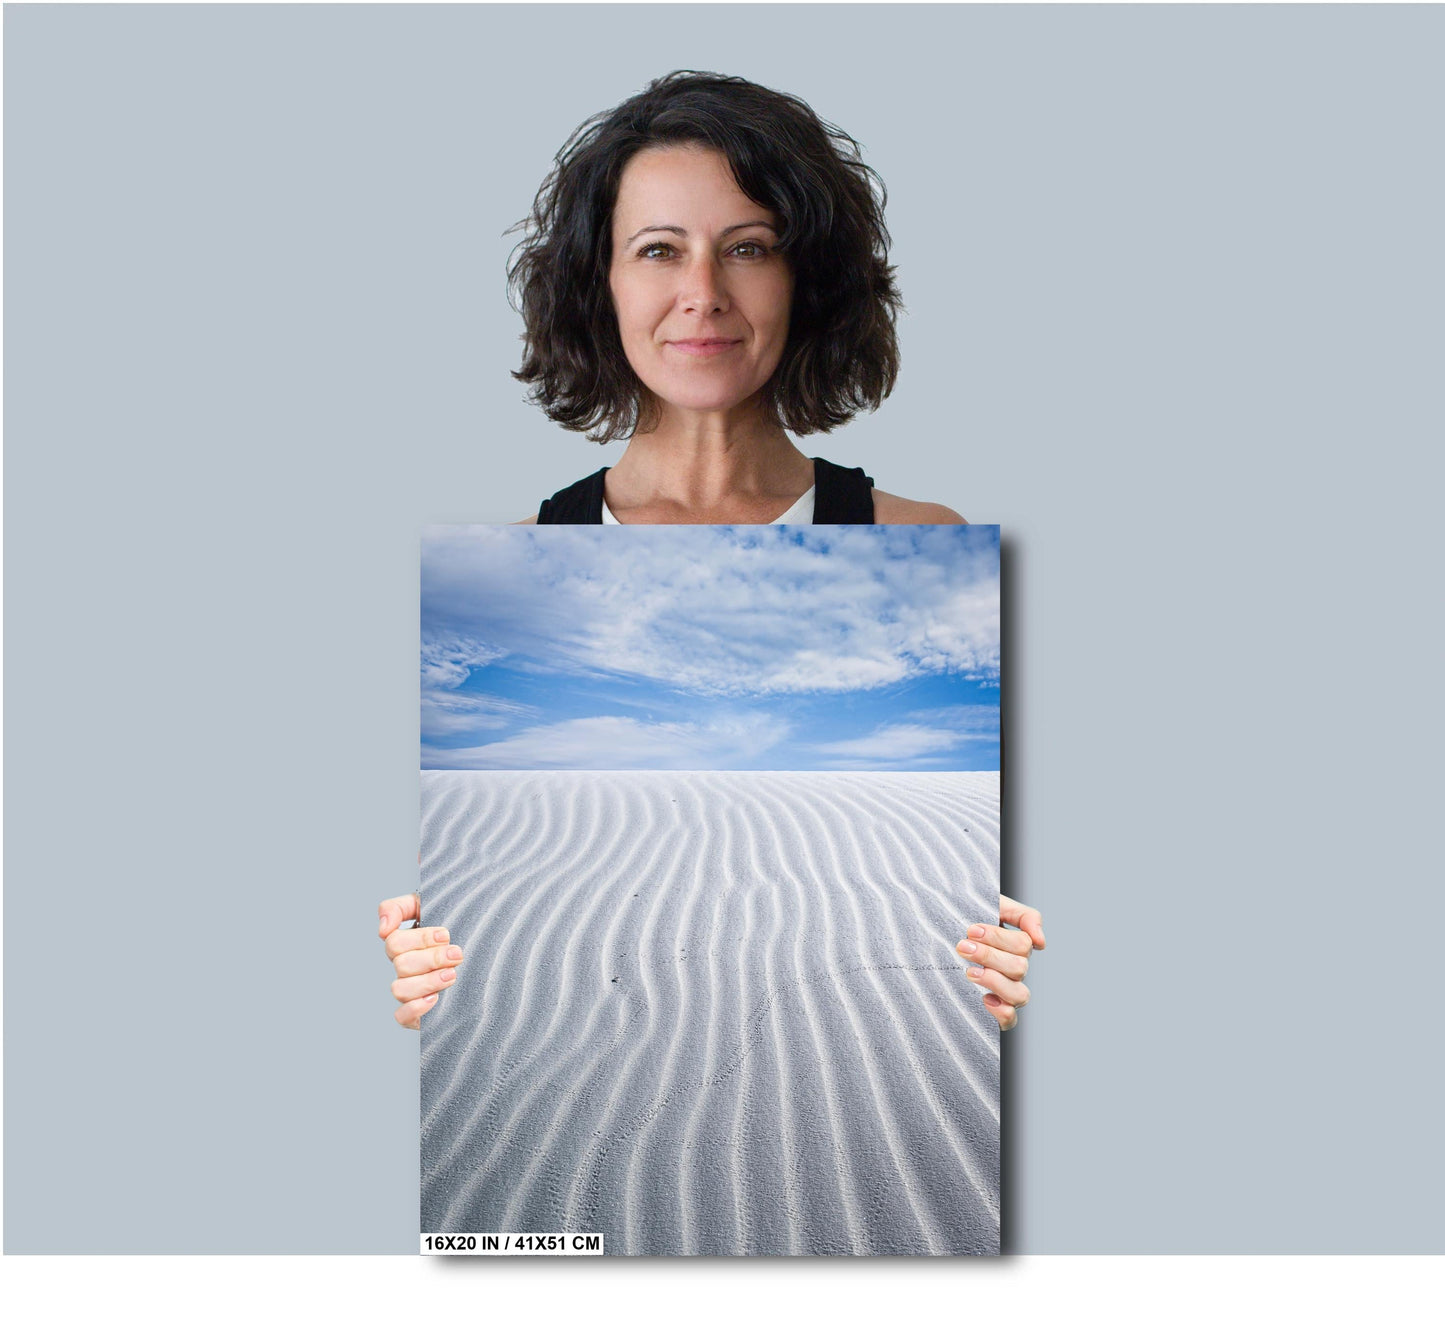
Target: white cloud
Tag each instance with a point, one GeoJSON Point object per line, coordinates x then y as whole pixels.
{"type": "Point", "coordinates": [444, 714]}
{"type": "Point", "coordinates": [447, 661]}
{"type": "Point", "coordinates": [614, 741]}
{"type": "Point", "coordinates": [895, 742]}
{"type": "Point", "coordinates": [977, 721]}
{"type": "Point", "coordinates": [722, 610]}
{"type": "Point", "coordinates": [927, 736]}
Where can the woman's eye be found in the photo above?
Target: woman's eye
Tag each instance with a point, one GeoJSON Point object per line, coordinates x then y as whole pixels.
{"type": "Point", "coordinates": [748, 248]}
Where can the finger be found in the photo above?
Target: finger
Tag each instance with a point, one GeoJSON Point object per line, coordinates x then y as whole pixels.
{"type": "Point", "coordinates": [1015, 993]}
{"type": "Point", "coordinates": [410, 1015]}
{"type": "Point", "coordinates": [415, 937]}
{"type": "Point", "coordinates": [396, 910]}
{"type": "Point", "coordinates": [1000, 937]}
{"type": "Point", "coordinates": [420, 961]}
{"type": "Point", "coordinates": [1009, 964]}
{"type": "Point", "coordinates": [1007, 1014]}
{"type": "Point", "coordinates": [407, 988]}
{"type": "Point", "coordinates": [1026, 918]}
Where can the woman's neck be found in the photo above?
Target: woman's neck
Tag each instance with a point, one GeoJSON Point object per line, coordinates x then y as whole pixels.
{"type": "Point", "coordinates": [708, 469]}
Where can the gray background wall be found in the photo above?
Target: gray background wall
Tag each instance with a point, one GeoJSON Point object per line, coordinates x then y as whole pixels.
{"type": "Point", "coordinates": [1174, 283]}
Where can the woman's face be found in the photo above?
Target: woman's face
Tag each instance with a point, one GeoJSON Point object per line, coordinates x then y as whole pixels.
{"type": "Point", "coordinates": [702, 296]}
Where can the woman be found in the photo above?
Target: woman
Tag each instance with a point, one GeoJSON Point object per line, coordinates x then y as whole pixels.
{"type": "Point", "coordinates": [704, 271]}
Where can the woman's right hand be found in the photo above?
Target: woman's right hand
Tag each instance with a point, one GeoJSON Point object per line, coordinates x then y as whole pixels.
{"type": "Point", "coordinates": [423, 956]}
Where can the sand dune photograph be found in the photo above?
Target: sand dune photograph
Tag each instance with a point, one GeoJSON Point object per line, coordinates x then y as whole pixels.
{"type": "Point", "coordinates": [708, 809]}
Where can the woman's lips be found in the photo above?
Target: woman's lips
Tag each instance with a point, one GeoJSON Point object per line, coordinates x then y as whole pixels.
{"type": "Point", "coordinates": [703, 347]}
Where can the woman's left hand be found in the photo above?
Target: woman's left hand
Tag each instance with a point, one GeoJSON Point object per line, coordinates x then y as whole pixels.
{"type": "Point", "coordinates": [998, 958]}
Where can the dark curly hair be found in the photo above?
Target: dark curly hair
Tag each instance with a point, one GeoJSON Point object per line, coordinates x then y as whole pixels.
{"type": "Point", "coordinates": [841, 354]}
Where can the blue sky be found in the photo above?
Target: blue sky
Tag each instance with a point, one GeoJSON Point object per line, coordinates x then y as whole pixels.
{"type": "Point", "coordinates": [723, 648]}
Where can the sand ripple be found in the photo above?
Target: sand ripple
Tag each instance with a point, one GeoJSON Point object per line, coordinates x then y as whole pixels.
{"type": "Point", "coordinates": [712, 1012]}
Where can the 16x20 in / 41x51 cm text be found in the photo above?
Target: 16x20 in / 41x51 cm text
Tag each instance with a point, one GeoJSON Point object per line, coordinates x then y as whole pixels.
{"type": "Point", "coordinates": [511, 1244]}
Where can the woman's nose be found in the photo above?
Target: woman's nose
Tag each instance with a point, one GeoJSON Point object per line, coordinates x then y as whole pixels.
{"type": "Point", "coordinates": [703, 289]}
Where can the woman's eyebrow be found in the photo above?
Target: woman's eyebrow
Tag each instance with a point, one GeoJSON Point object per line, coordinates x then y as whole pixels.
{"type": "Point", "coordinates": [682, 233]}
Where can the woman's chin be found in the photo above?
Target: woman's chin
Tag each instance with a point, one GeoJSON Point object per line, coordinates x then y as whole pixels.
{"type": "Point", "coordinates": [710, 401]}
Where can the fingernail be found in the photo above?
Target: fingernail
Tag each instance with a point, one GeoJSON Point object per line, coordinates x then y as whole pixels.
{"type": "Point", "coordinates": [967, 947]}
{"type": "Point", "coordinates": [975, 972]}
{"type": "Point", "coordinates": [454, 953]}
{"type": "Point", "coordinates": [430, 999]}
{"type": "Point", "coordinates": [976, 932]}
{"type": "Point", "coordinates": [381, 927]}
{"type": "Point", "coordinates": [441, 937]}
{"type": "Point", "coordinates": [447, 976]}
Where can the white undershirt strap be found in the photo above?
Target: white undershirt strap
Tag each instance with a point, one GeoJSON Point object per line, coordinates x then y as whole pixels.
{"type": "Point", "coordinates": [801, 512]}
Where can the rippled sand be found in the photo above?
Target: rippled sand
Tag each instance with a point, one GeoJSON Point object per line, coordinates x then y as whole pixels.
{"type": "Point", "coordinates": [711, 1012]}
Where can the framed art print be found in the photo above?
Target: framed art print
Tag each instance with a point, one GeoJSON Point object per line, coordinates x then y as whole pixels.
{"type": "Point", "coordinates": [707, 809]}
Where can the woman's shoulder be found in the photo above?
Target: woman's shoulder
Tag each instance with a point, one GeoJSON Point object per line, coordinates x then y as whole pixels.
{"type": "Point", "coordinates": [895, 509]}
{"type": "Point", "coordinates": [522, 522]}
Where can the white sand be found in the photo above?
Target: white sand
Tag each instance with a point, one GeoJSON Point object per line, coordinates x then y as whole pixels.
{"type": "Point", "coordinates": [712, 1012]}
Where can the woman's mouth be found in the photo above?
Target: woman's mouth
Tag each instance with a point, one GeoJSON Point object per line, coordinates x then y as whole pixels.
{"type": "Point", "coordinates": [703, 347]}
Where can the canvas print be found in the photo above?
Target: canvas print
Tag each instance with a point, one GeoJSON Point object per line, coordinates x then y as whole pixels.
{"type": "Point", "coordinates": [708, 809]}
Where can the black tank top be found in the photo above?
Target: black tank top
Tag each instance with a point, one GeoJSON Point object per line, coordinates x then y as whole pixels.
{"type": "Point", "coordinates": [840, 495]}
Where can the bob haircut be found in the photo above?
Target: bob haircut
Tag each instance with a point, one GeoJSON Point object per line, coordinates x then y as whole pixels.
{"type": "Point", "coordinates": [841, 354]}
